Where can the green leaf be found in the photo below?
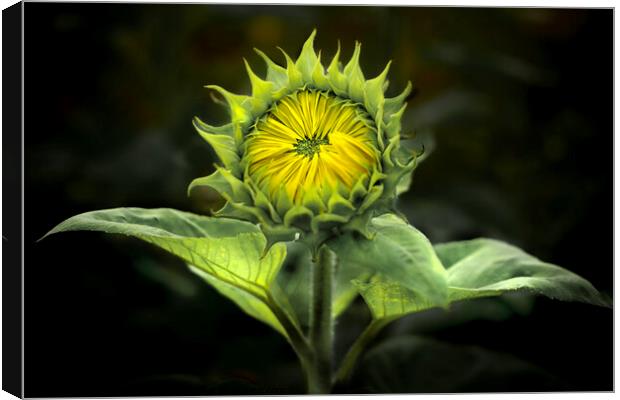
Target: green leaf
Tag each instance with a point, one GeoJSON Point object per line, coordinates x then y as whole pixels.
{"type": "Point", "coordinates": [398, 252]}
{"type": "Point", "coordinates": [389, 300]}
{"type": "Point", "coordinates": [397, 272]}
{"type": "Point", "coordinates": [486, 267]}
{"type": "Point", "coordinates": [476, 268]}
{"type": "Point", "coordinates": [479, 268]}
{"type": "Point", "coordinates": [227, 253]}
{"type": "Point", "coordinates": [154, 222]}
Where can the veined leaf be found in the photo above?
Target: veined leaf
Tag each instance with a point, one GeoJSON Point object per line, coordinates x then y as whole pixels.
{"type": "Point", "coordinates": [480, 268]}
{"type": "Point", "coordinates": [389, 300]}
{"type": "Point", "coordinates": [398, 252]}
{"type": "Point", "coordinates": [159, 221]}
{"type": "Point", "coordinates": [487, 267]}
{"type": "Point", "coordinates": [475, 268]}
{"type": "Point", "coordinates": [227, 253]}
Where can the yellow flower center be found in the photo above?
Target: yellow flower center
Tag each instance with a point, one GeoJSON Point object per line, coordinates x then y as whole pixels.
{"type": "Point", "coordinates": [311, 142]}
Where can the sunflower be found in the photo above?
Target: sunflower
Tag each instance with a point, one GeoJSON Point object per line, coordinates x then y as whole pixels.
{"type": "Point", "coordinates": [313, 150]}
{"type": "Point", "coordinates": [311, 141]}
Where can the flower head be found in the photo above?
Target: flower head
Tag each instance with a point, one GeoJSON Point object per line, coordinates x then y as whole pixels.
{"type": "Point", "coordinates": [312, 150]}
{"type": "Point", "coordinates": [311, 143]}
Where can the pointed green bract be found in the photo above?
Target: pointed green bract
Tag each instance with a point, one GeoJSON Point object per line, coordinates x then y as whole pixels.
{"type": "Point", "coordinates": [223, 145]}
{"type": "Point", "coordinates": [307, 72]}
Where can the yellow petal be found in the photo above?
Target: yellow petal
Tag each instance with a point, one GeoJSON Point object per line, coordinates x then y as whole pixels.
{"type": "Point", "coordinates": [311, 142]}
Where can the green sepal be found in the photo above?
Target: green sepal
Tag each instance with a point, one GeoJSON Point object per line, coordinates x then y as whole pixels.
{"type": "Point", "coordinates": [239, 114]}
{"type": "Point", "coordinates": [308, 59]}
{"type": "Point", "coordinates": [354, 75]}
{"type": "Point", "coordinates": [225, 183]}
{"type": "Point", "coordinates": [219, 130]}
{"type": "Point", "coordinates": [380, 126]}
{"type": "Point", "coordinates": [233, 209]}
{"type": "Point", "coordinates": [373, 195]}
{"type": "Point", "coordinates": [337, 80]}
{"type": "Point", "coordinates": [393, 126]}
{"type": "Point", "coordinates": [388, 159]}
{"type": "Point", "coordinates": [326, 221]}
{"type": "Point", "coordinates": [404, 183]}
{"type": "Point", "coordinates": [223, 145]}
{"type": "Point", "coordinates": [277, 235]}
{"type": "Point", "coordinates": [295, 78]}
{"type": "Point", "coordinates": [400, 179]}
{"type": "Point", "coordinates": [361, 224]}
{"type": "Point", "coordinates": [373, 92]}
{"type": "Point", "coordinates": [313, 201]}
{"type": "Point", "coordinates": [318, 76]}
{"type": "Point", "coordinates": [283, 202]}
{"type": "Point", "coordinates": [359, 191]}
{"type": "Point", "coordinates": [261, 91]}
{"type": "Point", "coordinates": [261, 200]}
{"type": "Point", "coordinates": [339, 205]}
{"type": "Point", "coordinates": [393, 104]}
{"type": "Point", "coordinates": [275, 73]}
{"type": "Point", "coordinates": [298, 216]}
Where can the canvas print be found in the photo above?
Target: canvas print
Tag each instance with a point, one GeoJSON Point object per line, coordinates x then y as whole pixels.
{"type": "Point", "coordinates": [281, 199]}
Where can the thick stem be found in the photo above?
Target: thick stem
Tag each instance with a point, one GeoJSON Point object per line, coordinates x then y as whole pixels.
{"type": "Point", "coordinates": [321, 323]}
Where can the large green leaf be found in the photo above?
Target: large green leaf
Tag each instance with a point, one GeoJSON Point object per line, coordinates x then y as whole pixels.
{"type": "Point", "coordinates": [486, 267]}
{"type": "Point", "coordinates": [475, 268]}
{"type": "Point", "coordinates": [480, 268]}
{"type": "Point", "coordinates": [398, 252]}
{"type": "Point", "coordinates": [227, 253]}
{"type": "Point", "coordinates": [159, 221]}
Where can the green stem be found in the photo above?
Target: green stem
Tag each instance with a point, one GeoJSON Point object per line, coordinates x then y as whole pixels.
{"type": "Point", "coordinates": [352, 357]}
{"type": "Point", "coordinates": [321, 333]}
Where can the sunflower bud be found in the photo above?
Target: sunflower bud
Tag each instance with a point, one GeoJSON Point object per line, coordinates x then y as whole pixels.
{"type": "Point", "coordinates": [312, 151]}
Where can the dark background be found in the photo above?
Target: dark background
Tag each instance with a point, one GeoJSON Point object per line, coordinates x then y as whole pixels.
{"type": "Point", "coordinates": [515, 104]}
